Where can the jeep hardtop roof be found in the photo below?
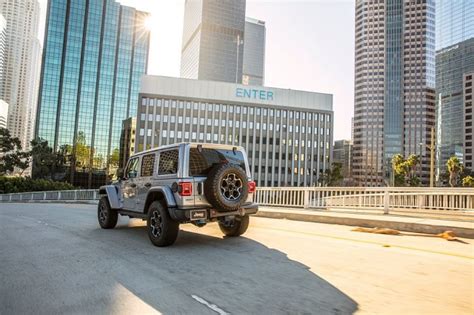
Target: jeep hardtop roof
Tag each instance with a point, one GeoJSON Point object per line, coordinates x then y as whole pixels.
{"type": "Point", "coordinates": [192, 145]}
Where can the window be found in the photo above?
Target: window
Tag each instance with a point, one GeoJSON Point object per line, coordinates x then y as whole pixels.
{"type": "Point", "coordinates": [168, 162]}
{"type": "Point", "coordinates": [148, 164]}
{"type": "Point", "coordinates": [132, 168]}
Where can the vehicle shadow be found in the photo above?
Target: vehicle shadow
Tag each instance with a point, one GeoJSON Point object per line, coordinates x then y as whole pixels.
{"type": "Point", "coordinates": [239, 275]}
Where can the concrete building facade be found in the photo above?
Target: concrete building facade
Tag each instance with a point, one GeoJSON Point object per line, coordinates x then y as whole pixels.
{"type": "Point", "coordinates": [19, 85]}
{"type": "Point", "coordinates": [394, 86]}
{"type": "Point", "coordinates": [288, 134]}
{"type": "Point", "coordinates": [3, 114]}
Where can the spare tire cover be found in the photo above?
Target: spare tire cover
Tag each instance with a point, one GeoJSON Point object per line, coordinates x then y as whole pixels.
{"type": "Point", "coordinates": [226, 187]}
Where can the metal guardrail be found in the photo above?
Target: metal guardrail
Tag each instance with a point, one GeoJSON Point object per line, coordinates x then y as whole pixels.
{"type": "Point", "coordinates": [385, 198]}
{"type": "Point", "coordinates": [57, 195]}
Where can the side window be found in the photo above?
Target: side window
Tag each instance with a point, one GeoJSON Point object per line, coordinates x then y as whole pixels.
{"type": "Point", "coordinates": [148, 164]}
{"type": "Point", "coordinates": [132, 168]}
{"type": "Point", "coordinates": [168, 163]}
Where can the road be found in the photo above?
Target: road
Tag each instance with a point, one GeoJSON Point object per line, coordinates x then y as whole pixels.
{"type": "Point", "coordinates": [54, 258]}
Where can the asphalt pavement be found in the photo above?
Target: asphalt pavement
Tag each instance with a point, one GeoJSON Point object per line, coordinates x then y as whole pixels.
{"type": "Point", "coordinates": [55, 259]}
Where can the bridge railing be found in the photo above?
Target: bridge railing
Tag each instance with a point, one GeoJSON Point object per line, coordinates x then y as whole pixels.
{"type": "Point", "coordinates": [384, 198]}
{"type": "Point", "coordinates": [57, 195]}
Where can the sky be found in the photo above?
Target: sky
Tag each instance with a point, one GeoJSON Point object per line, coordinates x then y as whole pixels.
{"type": "Point", "coordinates": [309, 46]}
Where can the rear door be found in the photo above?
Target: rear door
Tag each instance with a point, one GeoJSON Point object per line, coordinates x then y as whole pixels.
{"type": "Point", "coordinates": [144, 182]}
{"type": "Point", "coordinates": [129, 185]}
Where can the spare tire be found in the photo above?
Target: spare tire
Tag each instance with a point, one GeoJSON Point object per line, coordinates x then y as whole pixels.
{"type": "Point", "coordinates": [226, 187]}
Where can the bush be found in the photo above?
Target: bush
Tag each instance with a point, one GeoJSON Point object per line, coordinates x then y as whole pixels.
{"type": "Point", "coordinates": [26, 184]}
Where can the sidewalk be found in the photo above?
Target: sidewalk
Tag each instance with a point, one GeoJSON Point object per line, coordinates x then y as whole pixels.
{"type": "Point", "coordinates": [390, 221]}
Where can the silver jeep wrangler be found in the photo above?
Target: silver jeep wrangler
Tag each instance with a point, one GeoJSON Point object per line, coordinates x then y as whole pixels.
{"type": "Point", "coordinates": [182, 183]}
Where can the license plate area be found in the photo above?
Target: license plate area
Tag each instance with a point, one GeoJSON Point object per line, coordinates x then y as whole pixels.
{"type": "Point", "coordinates": [197, 215]}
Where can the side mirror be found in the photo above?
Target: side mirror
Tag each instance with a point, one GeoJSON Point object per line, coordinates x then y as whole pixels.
{"type": "Point", "coordinates": [120, 174]}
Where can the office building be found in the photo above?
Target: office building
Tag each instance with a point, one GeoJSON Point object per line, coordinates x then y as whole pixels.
{"type": "Point", "coordinates": [213, 35]}
{"type": "Point", "coordinates": [21, 59]}
{"type": "Point", "coordinates": [3, 38]}
{"type": "Point", "coordinates": [454, 22]}
{"type": "Point", "coordinates": [127, 140]}
{"type": "Point", "coordinates": [454, 58]}
{"type": "Point", "coordinates": [3, 114]}
{"type": "Point", "coordinates": [342, 153]}
{"type": "Point", "coordinates": [94, 55]}
{"type": "Point", "coordinates": [452, 63]}
{"type": "Point", "coordinates": [468, 121]}
{"type": "Point", "coordinates": [253, 68]}
{"type": "Point", "coordinates": [288, 134]}
{"type": "Point", "coordinates": [394, 86]}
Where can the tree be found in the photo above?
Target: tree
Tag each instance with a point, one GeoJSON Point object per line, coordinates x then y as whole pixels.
{"type": "Point", "coordinates": [468, 181]}
{"type": "Point", "coordinates": [45, 161]}
{"type": "Point", "coordinates": [332, 176]}
{"type": "Point", "coordinates": [454, 167]}
{"type": "Point", "coordinates": [405, 170]}
{"type": "Point", "coordinates": [83, 151]}
{"type": "Point", "coordinates": [12, 155]}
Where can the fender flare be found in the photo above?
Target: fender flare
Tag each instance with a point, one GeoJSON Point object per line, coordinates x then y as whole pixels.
{"type": "Point", "coordinates": [167, 194]}
{"type": "Point", "coordinates": [112, 196]}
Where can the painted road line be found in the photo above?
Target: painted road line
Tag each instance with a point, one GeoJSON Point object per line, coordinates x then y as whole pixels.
{"type": "Point", "coordinates": [213, 307]}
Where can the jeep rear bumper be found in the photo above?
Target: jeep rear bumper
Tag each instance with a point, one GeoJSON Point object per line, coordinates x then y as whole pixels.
{"type": "Point", "coordinates": [186, 215]}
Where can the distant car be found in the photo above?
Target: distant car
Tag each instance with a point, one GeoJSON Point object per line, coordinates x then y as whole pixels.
{"type": "Point", "coordinates": [182, 183]}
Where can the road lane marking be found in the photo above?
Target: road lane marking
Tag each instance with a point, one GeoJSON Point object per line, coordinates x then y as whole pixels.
{"type": "Point", "coordinates": [213, 307]}
{"type": "Point", "coordinates": [371, 242]}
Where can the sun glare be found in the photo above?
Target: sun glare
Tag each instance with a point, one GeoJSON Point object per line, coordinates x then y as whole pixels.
{"type": "Point", "coordinates": [148, 23]}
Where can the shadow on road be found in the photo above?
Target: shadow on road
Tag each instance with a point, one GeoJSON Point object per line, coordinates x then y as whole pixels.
{"type": "Point", "coordinates": [238, 274]}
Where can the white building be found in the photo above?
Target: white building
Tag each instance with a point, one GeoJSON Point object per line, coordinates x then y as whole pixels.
{"type": "Point", "coordinates": [3, 114]}
{"type": "Point", "coordinates": [19, 84]}
{"type": "Point", "coordinates": [288, 134]}
{"type": "Point", "coordinates": [3, 34]}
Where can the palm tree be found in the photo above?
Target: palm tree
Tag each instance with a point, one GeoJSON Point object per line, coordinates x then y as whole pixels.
{"type": "Point", "coordinates": [454, 168]}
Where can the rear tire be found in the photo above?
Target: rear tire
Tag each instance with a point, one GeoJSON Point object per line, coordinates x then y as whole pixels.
{"type": "Point", "coordinates": [106, 215]}
{"type": "Point", "coordinates": [236, 227]}
{"type": "Point", "coordinates": [162, 230]}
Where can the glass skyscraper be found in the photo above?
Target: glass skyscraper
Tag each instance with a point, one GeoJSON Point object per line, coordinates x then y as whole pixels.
{"type": "Point", "coordinates": [454, 58]}
{"type": "Point", "coordinates": [95, 52]}
{"type": "Point", "coordinates": [454, 22]}
{"type": "Point", "coordinates": [213, 40]}
{"type": "Point", "coordinates": [394, 86]}
{"type": "Point", "coordinates": [253, 68]}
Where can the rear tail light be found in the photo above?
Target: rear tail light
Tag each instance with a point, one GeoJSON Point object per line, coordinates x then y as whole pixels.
{"type": "Point", "coordinates": [185, 189]}
{"type": "Point", "coordinates": [252, 187]}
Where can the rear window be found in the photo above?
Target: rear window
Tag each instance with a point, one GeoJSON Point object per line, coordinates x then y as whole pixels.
{"type": "Point", "coordinates": [201, 163]}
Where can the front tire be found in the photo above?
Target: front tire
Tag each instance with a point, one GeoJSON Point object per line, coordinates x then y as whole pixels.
{"type": "Point", "coordinates": [106, 215]}
{"type": "Point", "coordinates": [162, 230]}
{"type": "Point", "coordinates": [235, 227]}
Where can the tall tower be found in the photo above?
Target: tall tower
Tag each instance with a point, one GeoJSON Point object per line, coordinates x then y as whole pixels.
{"type": "Point", "coordinates": [454, 59]}
{"type": "Point", "coordinates": [253, 68]}
{"type": "Point", "coordinates": [394, 86]}
{"type": "Point", "coordinates": [95, 52]}
{"type": "Point", "coordinates": [213, 40]}
{"type": "Point", "coordinates": [18, 87]}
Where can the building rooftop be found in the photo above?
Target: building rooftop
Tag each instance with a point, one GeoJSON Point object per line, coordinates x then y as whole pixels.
{"type": "Point", "coordinates": [234, 93]}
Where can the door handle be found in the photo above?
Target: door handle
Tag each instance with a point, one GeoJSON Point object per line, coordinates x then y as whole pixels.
{"type": "Point", "coordinates": [133, 185]}
{"type": "Point", "coordinates": [148, 185]}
